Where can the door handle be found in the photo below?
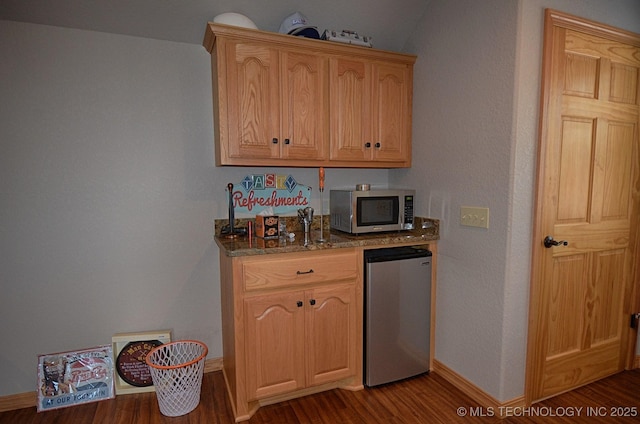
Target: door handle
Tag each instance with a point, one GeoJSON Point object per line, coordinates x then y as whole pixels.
{"type": "Point", "coordinates": [550, 242]}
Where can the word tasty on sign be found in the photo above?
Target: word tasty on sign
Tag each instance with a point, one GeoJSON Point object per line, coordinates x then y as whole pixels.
{"type": "Point", "coordinates": [281, 193]}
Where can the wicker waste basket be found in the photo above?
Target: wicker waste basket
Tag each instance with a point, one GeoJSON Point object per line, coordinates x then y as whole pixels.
{"type": "Point", "coordinates": [176, 369]}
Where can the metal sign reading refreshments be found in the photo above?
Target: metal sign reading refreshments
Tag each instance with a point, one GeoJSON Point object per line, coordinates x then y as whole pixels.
{"type": "Point", "coordinates": [281, 193]}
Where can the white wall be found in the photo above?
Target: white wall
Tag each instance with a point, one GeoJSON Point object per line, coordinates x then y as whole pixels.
{"type": "Point", "coordinates": [477, 83]}
{"type": "Point", "coordinates": [108, 193]}
{"type": "Point", "coordinates": [463, 104]}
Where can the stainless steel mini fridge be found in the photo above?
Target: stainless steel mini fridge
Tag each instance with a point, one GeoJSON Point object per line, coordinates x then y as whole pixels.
{"type": "Point", "coordinates": [397, 314]}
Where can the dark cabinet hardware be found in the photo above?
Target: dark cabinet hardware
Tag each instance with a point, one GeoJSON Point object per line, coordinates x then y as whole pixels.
{"type": "Point", "coordinates": [305, 272]}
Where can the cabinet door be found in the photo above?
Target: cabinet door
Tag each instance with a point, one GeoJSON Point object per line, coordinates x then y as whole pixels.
{"type": "Point", "coordinates": [350, 111]}
{"type": "Point", "coordinates": [304, 124]}
{"type": "Point", "coordinates": [331, 333]}
{"type": "Point", "coordinates": [391, 116]}
{"type": "Point", "coordinates": [370, 115]}
{"type": "Point", "coordinates": [274, 340]}
{"type": "Point", "coordinates": [253, 102]}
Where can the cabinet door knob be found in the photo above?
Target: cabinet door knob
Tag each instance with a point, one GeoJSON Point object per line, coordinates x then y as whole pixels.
{"type": "Point", "coordinates": [367, 144]}
{"type": "Point", "coordinates": [378, 145]}
{"type": "Point", "coordinates": [274, 140]}
{"type": "Point", "coordinates": [287, 141]}
{"type": "Point", "coordinates": [299, 303]}
{"type": "Point", "coordinates": [312, 302]}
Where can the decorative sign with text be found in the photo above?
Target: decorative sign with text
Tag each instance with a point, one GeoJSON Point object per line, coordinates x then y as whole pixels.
{"type": "Point", "coordinates": [72, 378]}
{"type": "Point", "coordinates": [130, 351]}
{"type": "Point", "coordinates": [131, 365]}
{"type": "Point", "coordinates": [281, 193]}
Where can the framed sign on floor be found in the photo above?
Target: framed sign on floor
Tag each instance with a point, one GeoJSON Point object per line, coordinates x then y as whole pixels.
{"type": "Point", "coordinates": [75, 377]}
{"type": "Point", "coordinates": [129, 354]}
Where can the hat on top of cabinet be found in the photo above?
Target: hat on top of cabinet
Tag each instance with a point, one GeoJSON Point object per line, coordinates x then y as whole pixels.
{"type": "Point", "coordinates": [235, 19]}
{"type": "Point", "coordinates": [298, 24]}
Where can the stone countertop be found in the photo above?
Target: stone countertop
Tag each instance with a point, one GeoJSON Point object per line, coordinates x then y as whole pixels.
{"type": "Point", "coordinates": [243, 246]}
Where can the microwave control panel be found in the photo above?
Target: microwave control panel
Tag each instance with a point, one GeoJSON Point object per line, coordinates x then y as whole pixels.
{"type": "Point", "coordinates": [408, 212]}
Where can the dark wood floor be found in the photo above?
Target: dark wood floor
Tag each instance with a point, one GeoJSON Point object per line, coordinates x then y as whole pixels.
{"type": "Point", "coordinates": [424, 399]}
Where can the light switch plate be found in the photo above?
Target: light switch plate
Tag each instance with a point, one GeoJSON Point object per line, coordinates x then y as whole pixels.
{"type": "Point", "coordinates": [471, 216]}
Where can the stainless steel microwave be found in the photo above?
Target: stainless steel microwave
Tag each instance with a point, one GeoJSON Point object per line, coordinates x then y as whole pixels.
{"type": "Point", "coordinates": [371, 211]}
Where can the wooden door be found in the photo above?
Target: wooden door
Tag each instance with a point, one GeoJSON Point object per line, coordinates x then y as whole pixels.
{"type": "Point", "coordinates": [391, 115]}
{"type": "Point", "coordinates": [304, 133]}
{"type": "Point", "coordinates": [331, 333]}
{"type": "Point", "coordinates": [582, 293]}
{"type": "Point", "coordinates": [350, 108]}
{"type": "Point", "coordinates": [274, 341]}
{"type": "Point", "coordinates": [253, 99]}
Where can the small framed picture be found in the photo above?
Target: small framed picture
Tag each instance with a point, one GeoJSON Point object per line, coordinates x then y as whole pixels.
{"type": "Point", "coordinates": [75, 377]}
{"type": "Point", "coordinates": [129, 354]}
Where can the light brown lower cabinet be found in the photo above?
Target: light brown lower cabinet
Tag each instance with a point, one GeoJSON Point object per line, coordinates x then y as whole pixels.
{"type": "Point", "coordinates": [292, 325]}
{"type": "Point", "coordinates": [301, 339]}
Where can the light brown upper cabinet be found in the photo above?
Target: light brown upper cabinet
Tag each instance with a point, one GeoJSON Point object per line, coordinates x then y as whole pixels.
{"type": "Point", "coordinates": [275, 103]}
{"type": "Point", "coordinates": [371, 110]}
{"type": "Point", "coordinates": [281, 100]}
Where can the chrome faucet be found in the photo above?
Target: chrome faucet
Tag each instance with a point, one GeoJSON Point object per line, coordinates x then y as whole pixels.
{"type": "Point", "coordinates": [305, 216]}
